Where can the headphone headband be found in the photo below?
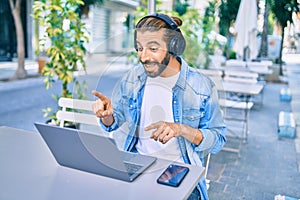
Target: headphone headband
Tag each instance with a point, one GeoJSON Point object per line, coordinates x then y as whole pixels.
{"type": "Point", "coordinates": [164, 18]}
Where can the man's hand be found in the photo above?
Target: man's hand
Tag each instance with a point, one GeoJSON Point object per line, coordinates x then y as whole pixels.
{"type": "Point", "coordinates": [164, 131]}
{"type": "Point", "coordinates": [102, 108]}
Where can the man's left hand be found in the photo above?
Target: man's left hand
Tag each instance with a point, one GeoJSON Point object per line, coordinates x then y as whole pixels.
{"type": "Point", "coordinates": [163, 131]}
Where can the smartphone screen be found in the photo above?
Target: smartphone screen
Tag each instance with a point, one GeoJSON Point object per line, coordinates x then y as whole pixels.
{"type": "Point", "coordinates": [173, 175]}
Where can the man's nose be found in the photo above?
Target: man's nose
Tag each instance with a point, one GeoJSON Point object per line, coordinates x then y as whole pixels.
{"type": "Point", "coordinates": [144, 54]}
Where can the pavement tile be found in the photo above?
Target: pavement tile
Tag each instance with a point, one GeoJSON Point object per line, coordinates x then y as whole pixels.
{"type": "Point", "coordinates": [266, 163]}
{"type": "Point", "coordinates": [217, 186]}
{"type": "Point", "coordinates": [296, 105]}
{"type": "Point", "coordinates": [297, 118]}
{"type": "Point", "coordinates": [235, 192]}
{"type": "Point", "coordinates": [228, 180]}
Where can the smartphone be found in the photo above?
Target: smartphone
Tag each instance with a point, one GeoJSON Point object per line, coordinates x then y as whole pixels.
{"type": "Point", "coordinates": [173, 175]}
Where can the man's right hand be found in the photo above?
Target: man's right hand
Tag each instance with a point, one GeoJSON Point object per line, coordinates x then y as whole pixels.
{"type": "Point", "coordinates": [102, 108]}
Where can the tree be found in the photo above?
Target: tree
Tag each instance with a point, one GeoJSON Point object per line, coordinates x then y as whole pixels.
{"type": "Point", "coordinates": [180, 7]}
{"type": "Point", "coordinates": [67, 52]}
{"type": "Point", "coordinates": [84, 8]}
{"type": "Point", "coordinates": [263, 52]}
{"type": "Point", "coordinates": [283, 11]}
{"type": "Point", "coordinates": [15, 6]}
{"type": "Point", "coordinates": [208, 25]}
{"type": "Point", "coordinates": [227, 13]}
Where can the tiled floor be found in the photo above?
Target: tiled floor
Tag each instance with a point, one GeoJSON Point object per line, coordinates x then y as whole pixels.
{"type": "Point", "coordinates": [268, 166]}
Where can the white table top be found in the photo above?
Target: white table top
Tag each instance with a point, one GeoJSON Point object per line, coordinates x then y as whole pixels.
{"type": "Point", "coordinates": [242, 88]}
{"type": "Point", "coordinates": [29, 171]}
{"type": "Point", "coordinates": [262, 68]}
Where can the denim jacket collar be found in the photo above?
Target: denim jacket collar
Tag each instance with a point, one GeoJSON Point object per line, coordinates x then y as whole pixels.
{"type": "Point", "coordinates": [181, 82]}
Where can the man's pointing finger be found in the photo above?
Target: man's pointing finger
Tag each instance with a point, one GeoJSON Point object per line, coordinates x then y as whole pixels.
{"type": "Point", "coordinates": [99, 95]}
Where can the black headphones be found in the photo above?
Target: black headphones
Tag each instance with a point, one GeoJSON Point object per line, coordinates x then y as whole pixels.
{"type": "Point", "coordinates": [177, 43]}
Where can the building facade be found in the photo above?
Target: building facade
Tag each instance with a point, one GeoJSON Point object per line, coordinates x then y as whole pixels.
{"type": "Point", "coordinates": [107, 26]}
{"type": "Point", "coordinates": [110, 26]}
{"type": "Point", "coordinates": [8, 40]}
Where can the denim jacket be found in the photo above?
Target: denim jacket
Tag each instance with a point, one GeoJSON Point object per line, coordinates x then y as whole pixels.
{"type": "Point", "coordinates": [194, 103]}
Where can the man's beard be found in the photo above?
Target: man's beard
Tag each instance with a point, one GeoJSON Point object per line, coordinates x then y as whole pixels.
{"type": "Point", "coordinates": [161, 66]}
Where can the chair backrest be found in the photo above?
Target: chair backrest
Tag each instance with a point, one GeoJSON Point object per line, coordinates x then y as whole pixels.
{"type": "Point", "coordinates": [237, 65]}
{"type": "Point", "coordinates": [260, 67]}
{"type": "Point", "coordinates": [81, 111]}
{"type": "Point", "coordinates": [207, 160]}
{"type": "Point", "coordinates": [240, 76]}
{"type": "Point", "coordinates": [211, 72]}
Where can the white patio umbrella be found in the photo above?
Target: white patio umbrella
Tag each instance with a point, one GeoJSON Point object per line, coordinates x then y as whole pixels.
{"type": "Point", "coordinates": [246, 29]}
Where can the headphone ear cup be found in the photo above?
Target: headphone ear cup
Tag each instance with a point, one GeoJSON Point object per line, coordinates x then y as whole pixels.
{"type": "Point", "coordinates": [177, 44]}
{"type": "Point", "coordinates": [134, 40]}
{"type": "Point", "coordinates": [181, 44]}
{"type": "Point", "coordinates": [173, 46]}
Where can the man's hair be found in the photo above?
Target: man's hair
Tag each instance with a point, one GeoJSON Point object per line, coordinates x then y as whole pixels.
{"type": "Point", "coordinates": [173, 36]}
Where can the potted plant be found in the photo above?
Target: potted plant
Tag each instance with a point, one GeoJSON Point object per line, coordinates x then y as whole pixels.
{"type": "Point", "coordinates": [42, 58]}
{"type": "Point", "coordinates": [40, 52]}
{"type": "Point", "coordinates": [66, 35]}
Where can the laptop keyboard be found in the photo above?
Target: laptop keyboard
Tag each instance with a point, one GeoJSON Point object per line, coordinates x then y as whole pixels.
{"type": "Point", "coordinates": [127, 157]}
{"type": "Point", "coordinates": [132, 168]}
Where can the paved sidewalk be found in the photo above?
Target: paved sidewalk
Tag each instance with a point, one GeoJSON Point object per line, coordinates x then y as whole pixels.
{"type": "Point", "coordinates": [96, 64]}
{"type": "Point", "coordinates": [7, 69]}
{"type": "Point", "coordinates": [268, 166]}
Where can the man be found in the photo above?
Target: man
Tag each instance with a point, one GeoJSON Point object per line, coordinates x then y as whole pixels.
{"type": "Point", "coordinates": [172, 110]}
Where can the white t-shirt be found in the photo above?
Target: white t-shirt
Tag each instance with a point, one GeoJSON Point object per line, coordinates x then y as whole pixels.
{"type": "Point", "coordinates": [157, 106]}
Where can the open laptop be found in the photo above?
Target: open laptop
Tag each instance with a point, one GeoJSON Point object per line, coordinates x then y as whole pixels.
{"type": "Point", "coordinates": [92, 153]}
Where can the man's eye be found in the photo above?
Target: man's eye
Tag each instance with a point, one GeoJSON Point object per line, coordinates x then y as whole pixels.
{"type": "Point", "coordinates": [153, 49]}
{"type": "Point", "coordinates": [139, 49]}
